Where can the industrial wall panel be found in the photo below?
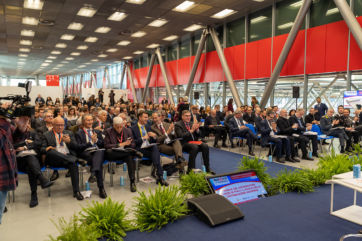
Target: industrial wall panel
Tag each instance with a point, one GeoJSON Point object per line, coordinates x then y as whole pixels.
{"type": "Point", "coordinates": [295, 60]}
{"type": "Point", "coordinates": [316, 49]}
{"type": "Point", "coordinates": [355, 52]}
{"type": "Point", "coordinates": [235, 57]}
{"type": "Point", "coordinates": [264, 58]}
{"type": "Point", "coordinates": [252, 60]}
{"type": "Point", "coordinates": [214, 71]}
{"type": "Point", "coordinates": [184, 70]}
{"type": "Point", "coordinates": [278, 44]}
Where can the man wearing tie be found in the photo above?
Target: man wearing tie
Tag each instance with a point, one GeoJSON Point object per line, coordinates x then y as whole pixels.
{"type": "Point", "coordinates": [142, 135]}
{"type": "Point", "coordinates": [120, 136]}
{"type": "Point", "coordinates": [237, 128]}
{"type": "Point", "coordinates": [165, 134]}
{"type": "Point", "coordinates": [189, 132]}
{"type": "Point", "coordinates": [60, 148]}
{"type": "Point", "coordinates": [87, 138]}
{"type": "Point", "coordinates": [321, 108]}
{"type": "Point", "coordinates": [101, 122]}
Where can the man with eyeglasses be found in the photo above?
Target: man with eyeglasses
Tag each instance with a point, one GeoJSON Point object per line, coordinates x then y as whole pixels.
{"type": "Point", "coordinates": [60, 148]}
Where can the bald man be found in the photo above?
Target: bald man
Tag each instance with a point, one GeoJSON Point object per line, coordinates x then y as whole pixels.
{"type": "Point", "coordinates": [60, 148]}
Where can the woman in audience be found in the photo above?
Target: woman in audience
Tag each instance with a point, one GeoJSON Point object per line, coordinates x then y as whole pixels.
{"type": "Point", "coordinates": [291, 113]}
{"type": "Point", "coordinates": [57, 101]}
{"type": "Point", "coordinates": [49, 101]}
{"type": "Point", "coordinates": [72, 116]}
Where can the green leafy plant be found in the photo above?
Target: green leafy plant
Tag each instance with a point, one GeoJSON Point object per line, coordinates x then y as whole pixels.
{"type": "Point", "coordinates": [258, 166]}
{"type": "Point", "coordinates": [195, 184]}
{"type": "Point", "coordinates": [318, 176]}
{"type": "Point", "coordinates": [164, 205]}
{"type": "Point", "coordinates": [74, 230]}
{"type": "Point", "coordinates": [336, 163]}
{"type": "Point", "coordinates": [291, 181]}
{"type": "Point", "coordinates": [107, 218]}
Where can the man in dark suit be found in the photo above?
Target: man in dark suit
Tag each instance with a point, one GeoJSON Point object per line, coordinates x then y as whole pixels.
{"type": "Point", "coordinates": [120, 136]}
{"type": "Point", "coordinates": [237, 128]}
{"type": "Point", "coordinates": [249, 116]}
{"type": "Point", "coordinates": [142, 134]}
{"type": "Point", "coordinates": [60, 148]}
{"type": "Point", "coordinates": [302, 127]}
{"type": "Point", "coordinates": [330, 127]}
{"type": "Point", "coordinates": [110, 115]}
{"type": "Point", "coordinates": [48, 123]}
{"type": "Point", "coordinates": [166, 139]}
{"type": "Point", "coordinates": [189, 132]}
{"type": "Point", "coordinates": [291, 130]}
{"type": "Point", "coordinates": [269, 133]}
{"type": "Point", "coordinates": [212, 125]}
{"type": "Point", "coordinates": [100, 123]}
{"type": "Point", "coordinates": [320, 107]}
{"type": "Point", "coordinates": [86, 138]}
{"type": "Point", "coordinates": [313, 117]}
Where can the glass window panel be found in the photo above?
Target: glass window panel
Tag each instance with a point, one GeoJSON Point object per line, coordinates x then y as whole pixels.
{"type": "Point", "coordinates": [172, 52]}
{"type": "Point", "coordinates": [260, 25]}
{"type": "Point", "coordinates": [144, 61]}
{"type": "Point", "coordinates": [185, 49]}
{"type": "Point", "coordinates": [136, 63]}
{"type": "Point", "coordinates": [285, 14]}
{"type": "Point", "coordinates": [210, 44]}
{"type": "Point", "coordinates": [235, 32]}
{"type": "Point", "coordinates": [323, 12]}
{"type": "Point", "coordinates": [358, 7]}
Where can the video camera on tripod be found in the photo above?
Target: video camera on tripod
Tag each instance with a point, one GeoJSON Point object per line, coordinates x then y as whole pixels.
{"type": "Point", "coordinates": [19, 105]}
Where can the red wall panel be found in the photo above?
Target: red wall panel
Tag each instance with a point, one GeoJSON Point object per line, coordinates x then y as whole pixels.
{"type": "Point", "coordinates": [183, 70]}
{"type": "Point", "coordinates": [252, 60]}
{"type": "Point", "coordinates": [278, 44]}
{"type": "Point", "coordinates": [171, 69]}
{"type": "Point", "coordinates": [264, 58]}
{"type": "Point", "coordinates": [153, 80]}
{"type": "Point", "coordinates": [136, 78]}
{"type": "Point", "coordinates": [143, 77]}
{"type": "Point", "coordinates": [214, 71]}
{"type": "Point", "coordinates": [235, 57]}
{"type": "Point", "coordinates": [336, 47]}
{"type": "Point", "coordinates": [355, 52]}
{"type": "Point", "coordinates": [316, 49]}
{"type": "Point", "coordinates": [160, 81]}
{"type": "Point", "coordinates": [295, 59]}
{"type": "Point", "coordinates": [200, 73]}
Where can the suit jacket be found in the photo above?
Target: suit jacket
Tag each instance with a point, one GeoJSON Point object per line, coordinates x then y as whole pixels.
{"type": "Point", "coordinates": [250, 119]}
{"type": "Point", "coordinates": [322, 108]}
{"type": "Point", "coordinates": [182, 132]}
{"type": "Point", "coordinates": [42, 130]}
{"type": "Point", "coordinates": [49, 140]}
{"type": "Point", "coordinates": [111, 141]}
{"type": "Point", "coordinates": [285, 126]}
{"type": "Point", "coordinates": [137, 135]}
{"type": "Point", "coordinates": [19, 140]}
{"type": "Point", "coordinates": [160, 136]}
{"type": "Point", "coordinates": [294, 120]}
{"type": "Point", "coordinates": [309, 118]}
{"type": "Point", "coordinates": [81, 139]}
{"type": "Point", "coordinates": [209, 119]}
{"type": "Point", "coordinates": [234, 125]}
{"type": "Point", "coordinates": [258, 120]}
{"type": "Point", "coordinates": [106, 125]}
{"type": "Point", "coordinates": [265, 131]}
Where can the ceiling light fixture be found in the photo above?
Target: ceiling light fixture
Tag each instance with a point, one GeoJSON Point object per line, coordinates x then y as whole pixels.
{"type": "Point", "coordinates": [138, 34]}
{"type": "Point", "coordinates": [102, 56]}
{"type": "Point", "coordinates": [69, 58]}
{"type": "Point", "coordinates": [61, 45]}
{"type": "Point", "coordinates": [82, 47]}
{"type": "Point", "coordinates": [23, 55]}
{"type": "Point", "coordinates": [258, 19]}
{"type": "Point", "coordinates": [285, 25]}
{"type": "Point", "coordinates": [24, 50]}
{"type": "Point", "coordinates": [55, 52]}
{"type": "Point", "coordinates": [296, 4]}
{"type": "Point", "coordinates": [138, 52]}
{"type": "Point", "coordinates": [75, 53]}
{"type": "Point", "coordinates": [223, 14]}
{"type": "Point", "coordinates": [52, 57]}
{"type": "Point", "coordinates": [30, 21]}
{"type": "Point", "coordinates": [124, 43]}
{"type": "Point", "coordinates": [193, 27]}
{"type": "Point", "coordinates": [117, 16]}
{"type": "Point", "coordinates": [136, 1]}
{"type": "Point", "coordinates": [185, 6]}
{"type": "Point", "coordinates": [27, 33]}
{"type": "Point", "coordinates": [75, 26]}
{"type": "Point", "coordinates": [86, 12]}
{"type": "Point", "coordinates": [67, 37]}
{"type": "Point", "coordinates": [127, 57]}
{"type": "Point", "coordinates": [91, 39]}
{"type": "Point", "coordinates": [152, 46]}
{"type": "Point", "coordinates": [33, 4]}
{"type": "Point", "coordinates": [170, 38]}
{"type": "Point", "coordinates": [48, 61]}
{"type": "Point", "coordinates": [332, 11]}
{"type": "Point", "coordinates": [102, 30]}
{"type": "Point", "coordinates": [94, 60]}
{"type": "Point", "coordinates": [158, 23]}
{"type": "Point", "coordinates": [25, 42]}
{"type": "Point", "coordinates": [112, 50]}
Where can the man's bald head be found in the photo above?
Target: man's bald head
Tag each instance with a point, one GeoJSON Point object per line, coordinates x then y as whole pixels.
{"type": "Point", "coordinates": [213, 113]}
{"type": "Point", "coordinates": [58, 124]}
{"type": "Point", "coordinates": [283, 113]}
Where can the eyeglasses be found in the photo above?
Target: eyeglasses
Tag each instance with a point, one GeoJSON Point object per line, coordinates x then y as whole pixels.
{"type": "Point", "coordinates": [58, 125]}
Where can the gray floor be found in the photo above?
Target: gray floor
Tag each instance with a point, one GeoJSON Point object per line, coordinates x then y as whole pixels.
{"type": "Point", "coordinates": [35, 224]}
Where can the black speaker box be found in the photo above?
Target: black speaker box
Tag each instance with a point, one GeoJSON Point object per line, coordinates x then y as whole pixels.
{"type": "Point", "coordinates": [214, 209]}
{"type": "Point", "coordinates": [196, 95]}
{"type": "Point", "coordinates": [295, 91]}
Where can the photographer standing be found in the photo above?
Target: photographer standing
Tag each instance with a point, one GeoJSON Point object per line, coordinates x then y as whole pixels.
{"type": "Point", "coordinates": [8, 169]}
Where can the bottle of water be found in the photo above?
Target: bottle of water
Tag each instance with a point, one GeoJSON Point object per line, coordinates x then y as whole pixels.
{"type": "Point", "coordinates": [270, 158]}
{"type": "Point", "coordinates": [124, 167]}
{"type": "Point", "coordinates": [121, 181]}
{"type": "Point", "coordinates": [165, 175]}
{"type": "Point", "coordinates": [310, 154]}
{"type": "Point", "coordinates": [203, 169]}
{"type": "Point", "coordinates": [87, 186]}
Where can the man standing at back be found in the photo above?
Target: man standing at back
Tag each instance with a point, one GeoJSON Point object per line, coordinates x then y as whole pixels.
{"type": "Point", "coordinates": [321, 108]}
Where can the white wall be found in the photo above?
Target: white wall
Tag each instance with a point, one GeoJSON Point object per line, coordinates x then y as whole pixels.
{"type": "Point", "coordinates": [54, 92]}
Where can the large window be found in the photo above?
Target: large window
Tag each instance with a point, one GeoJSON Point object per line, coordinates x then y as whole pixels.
{"type": "Point", "coordinates": [172, 52]}
{"type": "Point", "coordinates": [136, 63]}
{"type": "Point", "coordinates": [285, 14]}
{"type": "Point", "coordinates": [143, 60]}
{"type": "Point", "coordinates": [260, 25]}
{"type": "Point", "coordinates": [235, 32]}
{"type": "Point", "coordinates": [323, 12]}
{"type": "Point", "coordinates": [210, 44]}
{"type": "Point", "coordinates": [185, 48]}
{"type": "Point", "coordinates": [358, 7]}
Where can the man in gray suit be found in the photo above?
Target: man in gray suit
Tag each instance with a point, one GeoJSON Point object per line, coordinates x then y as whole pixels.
{"type": "Point", "coordinates": [166, 139]}
{"type": "Point", "coordinates": [329, 126]}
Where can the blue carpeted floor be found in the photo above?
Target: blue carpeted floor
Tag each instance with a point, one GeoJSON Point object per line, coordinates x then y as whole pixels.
{"type": "Point", "coordinates": [287, 217]}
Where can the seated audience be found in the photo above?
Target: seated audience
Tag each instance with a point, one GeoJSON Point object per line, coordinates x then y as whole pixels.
{"type": "Point", "coordinates": [212, 125]}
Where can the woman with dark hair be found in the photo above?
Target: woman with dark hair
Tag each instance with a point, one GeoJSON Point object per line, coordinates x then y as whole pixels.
{"type": "Point", "coordinates": [254, 102]}
{"type": "Point", "coordinates": [111, 98]}
{"type": "Point", "coordinates": [230, 105]}
{"type": "Point", "coordinates": [291, 113]}
{"type": "Point", "coordinates": [57, 101]}
{"type": "Point", "coordinates": [49, 101]}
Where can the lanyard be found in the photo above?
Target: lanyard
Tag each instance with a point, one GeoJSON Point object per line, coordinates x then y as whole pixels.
{"type": "Point", "coordinates": [86, 132]}
{"type": "Point", "coordinates": [120, 140]}
{"type": "Point", "coordinates": [57, 138]}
